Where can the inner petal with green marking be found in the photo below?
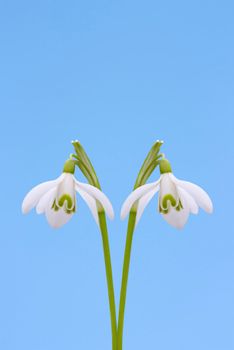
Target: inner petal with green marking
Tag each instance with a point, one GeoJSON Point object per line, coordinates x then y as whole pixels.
{"type": "Point", "coordinates": [167, 202]}
{"type": "Point", "coordinates": [66, 202]}
{"type": "Point", "coordinates": [179, 206]}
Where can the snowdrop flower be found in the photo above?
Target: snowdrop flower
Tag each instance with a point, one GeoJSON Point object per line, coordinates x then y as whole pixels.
{"type": "Point", "coordinates": [57, 198]}
{"type": "Point", "coordinates": [176, 200]}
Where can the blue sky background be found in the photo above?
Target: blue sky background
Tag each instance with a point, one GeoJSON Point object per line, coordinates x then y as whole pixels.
{"type": "Point", "coordinates": [117, 75]}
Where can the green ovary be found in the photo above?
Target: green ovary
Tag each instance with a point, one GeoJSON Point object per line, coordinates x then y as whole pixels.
{"type": "Point", "coordinates": [164, 207]}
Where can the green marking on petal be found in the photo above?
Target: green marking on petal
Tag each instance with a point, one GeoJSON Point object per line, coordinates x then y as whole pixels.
{"type": "Point", "coordinates": [164, 207]}
{"type": "Point", "coordinates": [163, 211]}
{"type": "Point", "coordinates": [166, 198]}
{"type": "Point", "coordinates": [70, 211]}
{"type": "Point", "coordinates": [55, 207]}
{"type": "Point", "coordinates": [179, 206]}
{"type": "Point", "coordinates": [69, 208]}
{"type": "Point", "coordinates": [66, 198]}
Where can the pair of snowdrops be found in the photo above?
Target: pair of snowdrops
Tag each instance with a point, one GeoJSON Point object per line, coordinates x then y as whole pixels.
{"type": "Point", "coordinates": [176, 199]}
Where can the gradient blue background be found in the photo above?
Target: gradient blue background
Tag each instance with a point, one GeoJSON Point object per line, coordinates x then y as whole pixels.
{"type": "Point", "coordinates": [117, 75]}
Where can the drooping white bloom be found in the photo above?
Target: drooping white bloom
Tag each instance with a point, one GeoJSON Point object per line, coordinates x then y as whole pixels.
{"type": "Point", "coordinates": [176, 200]}
{"type": "Point", "coordinates": [57, 199]}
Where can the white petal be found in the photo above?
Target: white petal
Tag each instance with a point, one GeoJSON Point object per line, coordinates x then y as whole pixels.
{"type": "Point", "coordinates": [33, 197]}
{"type": "Point", "coordinates": [57, 218]}
{"type": "Point", "coordinates": [67, 186]}
{"type": "Point", "coordinates": [144, 201]}
{"type": "Point", "coordinates": [135, 195]}
{"type": "Point", "coordinates": [176, 218]}
{"type": "Point", "coordinates": [188, 199]}
{"type": "Point", "coordinates": [167, 186]}
{"type": "Point", "coordinates": [48, 197]}
{"type": "Point", "coordinates": [200, 196]}
{"type": "Point", "coordinates": [179, 218]}
{"type": "Point", "coordinates": [99, 196]}
{"type": "Point", "coordinates": [91, 203]}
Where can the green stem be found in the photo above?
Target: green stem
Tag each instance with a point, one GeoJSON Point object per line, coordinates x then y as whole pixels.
{"type": "Point", "coordinates": [150, 163]}
{"type": "Point", "coordinates": [126, 264]}
{"type": "Point", "coordinates": [109, 277]}
{"type": "Point", "coordinates": [85, 165]}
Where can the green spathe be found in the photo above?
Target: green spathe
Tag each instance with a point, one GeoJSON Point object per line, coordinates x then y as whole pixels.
{"type": "Point", "coordinates": [164, 166]}
{"type": "Point", "coordinates": [149, 164]}
{"type": "Point", "coordinates": [83, 162]}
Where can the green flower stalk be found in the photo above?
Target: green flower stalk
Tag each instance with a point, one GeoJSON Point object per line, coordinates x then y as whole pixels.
{"type": "Point", "coordinates": [83, 162]}
{"type": "Point", "coordinates": [177, 199]}
{"type": "Point", "coordinates": [151, 162]}
{"type": "Point", "coordinates": [57, 200]}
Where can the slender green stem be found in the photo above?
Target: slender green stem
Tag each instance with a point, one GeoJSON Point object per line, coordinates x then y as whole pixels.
{"type": "Point", "coordinates": [109, 277]}
{"type": "Point", "coordinates": [83, 162]}
{"type": "Point", "coordinates": [150, 163]}
{"type": "Point", "coordinates": [126, 264]}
